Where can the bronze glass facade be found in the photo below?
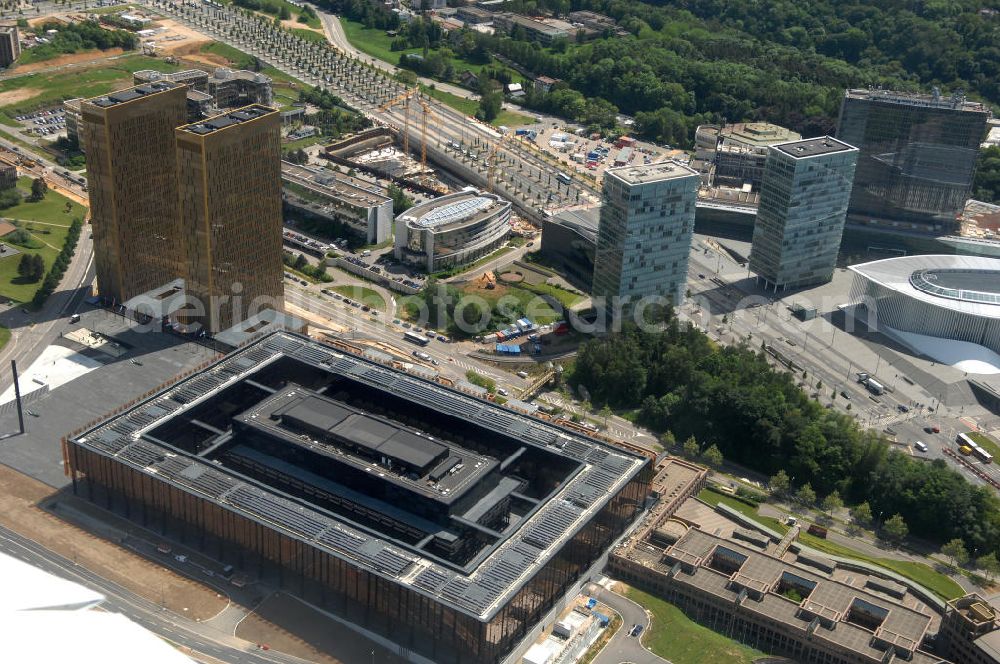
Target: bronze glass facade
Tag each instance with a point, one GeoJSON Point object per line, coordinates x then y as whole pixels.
{"type": "Point", "coordinates": [131, 173]}
{"type": "Point", "coordinates": [229, 175]}
{"type": "Point", "coordinates": [171, 469]}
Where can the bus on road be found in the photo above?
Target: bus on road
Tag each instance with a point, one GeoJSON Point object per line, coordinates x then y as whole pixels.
{"type": "Point", "coordinates": [562, 177]}
{"type": "Point", "coordinates": [965, 440]}
{"type": "Point", "coordinates": [415, 338]}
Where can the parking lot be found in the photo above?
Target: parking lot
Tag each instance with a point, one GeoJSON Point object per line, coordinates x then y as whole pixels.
{"type": "Point", "coordinates": [46, 122]}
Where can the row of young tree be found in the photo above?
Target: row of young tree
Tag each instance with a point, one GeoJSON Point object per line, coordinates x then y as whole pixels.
{"type": "Point", "coordinates": [60, 264]}
{"type": "Point", "coordinates": [730, 397]}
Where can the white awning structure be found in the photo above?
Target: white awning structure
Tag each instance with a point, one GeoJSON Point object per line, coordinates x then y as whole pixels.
{"type": "Point", "coordinates": [27, 588]}
{"type": "Point", "coordinates": [84, 637]}
{"type": "Point", "coordinates": [46, 618]}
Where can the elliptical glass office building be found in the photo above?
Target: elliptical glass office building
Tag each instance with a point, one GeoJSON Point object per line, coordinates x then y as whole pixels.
{"type": "Point", "coordinates": [918, 157]}
{"type": "Point", "coordinates": [949, 297]}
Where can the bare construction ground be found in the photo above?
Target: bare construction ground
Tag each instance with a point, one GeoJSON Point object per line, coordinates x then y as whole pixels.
{"type": "Point", "coordinates": [20, 497]}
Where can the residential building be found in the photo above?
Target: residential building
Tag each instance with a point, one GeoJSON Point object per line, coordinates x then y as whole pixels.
{"type": "Point", "coordinates": [644, 235]}
{"type": "Point", "coordinates": [741, 151]}
{"type": "Point", "coordinates": [229, 174]}
{"type": "Point", "coordinates": [356, 205]}
{"type": "Point", "coordinates": [474, 15]}
{"type": "Point", "coordinates": [416, 509]}
{"type": "Point", "coordinates": [430, 5]}
{"type": "Point", "coordinates": [71, 111]}
{"type": "Point", "coordinates": [534, 29]}
{"type": "Point", "coordinates": [803, 202]}
{"type": "Point", "coordinates": [10, 46]}
{"type": "Point", "coordinates": [8, 175]}
{"type": "Point", "coordinates": [569, 240]}
{"type": "Point", "coordinates": [545, 83]}
{"type": "Point", "coordinates": [970, 631]}
{"type": "Point", "coordinates": [132, 180]}
{"type": "Point", "coordinates": [598, 23]}
{"type": "Point", "coordinates": [917, 160]}
{"type": "Point", "coordinates": [452, 230]}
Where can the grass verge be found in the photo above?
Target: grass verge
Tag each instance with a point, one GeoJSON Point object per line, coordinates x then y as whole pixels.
{"type": "Point", "coordinates": [938, 583]}
{"type": "Point", "coordinates": [676, 637]}
{"type": "Point", "coordinates": [4, 336]}
{"type": "Point", "coordinates": [362, 294]}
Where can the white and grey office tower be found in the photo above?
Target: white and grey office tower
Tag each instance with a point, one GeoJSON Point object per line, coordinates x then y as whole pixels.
{"type": "Point", "coordinates": [644, 235]}
{"type": "Point", "coordinates": [803, 203]}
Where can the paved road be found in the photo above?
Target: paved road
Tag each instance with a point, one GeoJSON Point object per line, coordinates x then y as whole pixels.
{"type": "Point", "coordinates": [622, 647]}
{"type": "Point", "coordinates": [170, 626]}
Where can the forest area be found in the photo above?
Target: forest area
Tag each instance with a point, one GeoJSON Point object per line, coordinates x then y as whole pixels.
{"type": "Point", "coordinates": [679, 381]}
{"type": "Point", "coordinates": [686, 63]}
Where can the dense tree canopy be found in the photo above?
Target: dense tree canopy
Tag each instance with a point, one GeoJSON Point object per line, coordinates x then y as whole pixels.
{"type": "Point", "coordinates": [987, 184]}
{"type": "Point", "coordinates": [704, 61]}
{"type": "Point", "coordinates": [760, 418]}
{"type": "Point", "coordinates": [80, 36]}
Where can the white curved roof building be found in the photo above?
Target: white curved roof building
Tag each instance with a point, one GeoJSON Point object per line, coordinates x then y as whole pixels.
{"type": "Point", "coordinates": [948, 297]}
{"type": "Point", "coordinates": [452, 230]}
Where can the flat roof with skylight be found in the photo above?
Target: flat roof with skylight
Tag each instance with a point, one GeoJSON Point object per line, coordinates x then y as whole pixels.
{"type": "Point", "coordinates": [647, 173]}
{"type": "Point", "coordinates": [813, 147]}
{"type": "Point", "coordinates": [226, 120]}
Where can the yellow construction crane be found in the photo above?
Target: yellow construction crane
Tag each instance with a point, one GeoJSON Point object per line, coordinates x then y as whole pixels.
{"type": "Point", "coordinates": [423, 129]}
{"type": "Point", "coordinates": [491, 162]}
{"type": "Point", "coordinates": [403, 97]}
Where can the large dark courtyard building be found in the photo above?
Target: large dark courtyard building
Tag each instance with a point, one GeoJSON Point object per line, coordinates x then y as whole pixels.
{"type": "Point", "coordinates": [441, 521]}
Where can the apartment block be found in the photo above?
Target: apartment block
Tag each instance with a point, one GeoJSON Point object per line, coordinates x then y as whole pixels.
{"type": "Point", "coordinates": [10, 47]}
{"type": "Point", "coordinates": [805, 189]}
{"type": "Point", "coordinates": [132, 179]}
{"type": "Point", "coordinates": [229, 179]}
{"type": "Point", "coordinates": [644, 234]}
{"type": "Point", "coordinates": [8, 175]}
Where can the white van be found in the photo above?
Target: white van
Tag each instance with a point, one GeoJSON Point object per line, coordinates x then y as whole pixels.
{"type": "Point", "coordinates": [920, 445]}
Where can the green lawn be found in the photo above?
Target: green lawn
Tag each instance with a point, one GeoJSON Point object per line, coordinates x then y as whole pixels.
{"type": "Point", "coordinates": [470, 106]}
{"type": "Point", "coordinates": [514, 298]}
{"type": "Point", "coordinates": [304, 142]}
{"type": "Point", "coordinates": [713, 497]}
{"type": "Point", "coordinates": [373, 41]}
{"type": "Point", "coordinates": [47, 221]}
{"type": "Point", "coordinates": [676, 637]}
{"type": "Point", "coordinates": [925, 575]}
{"type": "Point", "coordinates": [310, 35]}
{"type": "Point", "coordinates": [51, 88]}
{"type": "Point", "coordinates": [4, 336]}
{"type": "Point", "coordinates": [376, 43]}
{"type": "Point", "coordinates": [566, 298]}
{"type": "Point", "coordinates": [362, 294]}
